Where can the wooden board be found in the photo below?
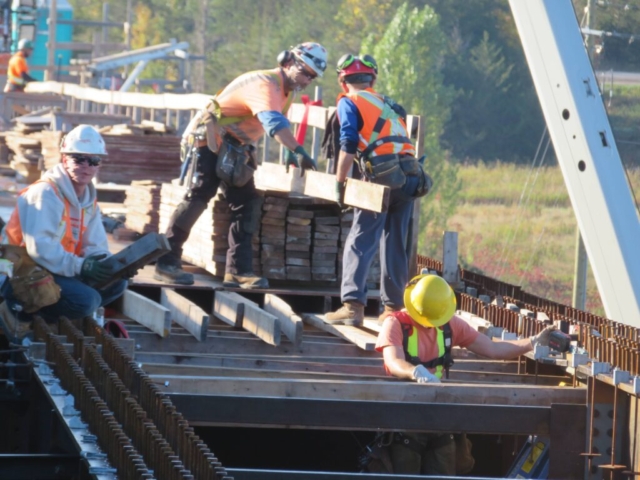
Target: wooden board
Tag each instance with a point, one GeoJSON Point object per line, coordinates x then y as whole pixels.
{"type": "Point", "coordinates": [361, 338]}
{"type": "Point", "coordinates": [146, 312]}
{"type": "Point", "coordinates": [186, 313]}
{"type": "Point", "coordinates": [242, 313]}
{"type": "Point", "coordinates": [525, 395]}
{"type": "Point", "coordinates": [186, 344]}
{"type": "Point", "coordinates": [273, 176]}
{"type": "Point", "coordinates": [364, 195]}
{"type": "Point", "coordinates": [290, 323]}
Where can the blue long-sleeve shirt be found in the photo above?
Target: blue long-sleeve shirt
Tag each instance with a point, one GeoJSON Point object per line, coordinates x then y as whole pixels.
{"type": "Point", "coordinates": [350, 124]}
{"type": "Point", "coordinates": [273, 121]}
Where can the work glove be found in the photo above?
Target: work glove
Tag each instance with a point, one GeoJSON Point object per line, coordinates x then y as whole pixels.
{"type": "Point", "coordinates": [340, 188]}
{"type": "Point", "coordinates": [299, 158]}
{"type": "Point", "coordinates": [421, 374]}
{"type": "Point", "coordinates": [542, 338]}
{"type": "Point", "coordinates": [93, 270]}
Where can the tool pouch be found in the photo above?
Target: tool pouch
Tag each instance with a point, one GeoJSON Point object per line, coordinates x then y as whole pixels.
{"type": "Point", "coordinates": [387, 172]}
{"type": "Point", "coordinates": [236, 162]}
{"type": "Point", "coordinates": [33, 286]}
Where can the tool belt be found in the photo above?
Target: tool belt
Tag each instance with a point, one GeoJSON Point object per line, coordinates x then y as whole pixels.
{"type": "Point", "coordinates": [236, 162]}
{"type": "Point", "coordinates": [392, 171]}
{"type": "Point", "coordinates": [33, 286]}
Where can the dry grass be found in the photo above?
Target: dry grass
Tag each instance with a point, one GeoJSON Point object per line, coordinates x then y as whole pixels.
{"type": "Point", "coordinates": [522, 236]}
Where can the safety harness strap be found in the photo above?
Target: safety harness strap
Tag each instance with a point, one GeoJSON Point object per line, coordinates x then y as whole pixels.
{"type": "Point", "coordinates": [410, 347]}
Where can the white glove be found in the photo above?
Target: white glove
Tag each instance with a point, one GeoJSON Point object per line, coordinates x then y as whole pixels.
{"type": "Point", "coordinates": [421, 374]}
{"type": "Point", "coordinates": [542, 338]}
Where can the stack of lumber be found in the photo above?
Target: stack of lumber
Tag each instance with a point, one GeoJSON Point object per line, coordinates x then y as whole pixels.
{"type": "Point", "coordinates": [131, 157]}
{"type": "Point", "coordinates": [199, 249]}
{"type": "Point", "coordinates": [142, 201]}
{"type": "Point", "coordinates": [26, 154]}
{"type": "Point", "coordinates": [298, 240]}
{"type": "Point", "coordinates": [273, 237]}
{"type": "Point", "coordinates": [51, 148]}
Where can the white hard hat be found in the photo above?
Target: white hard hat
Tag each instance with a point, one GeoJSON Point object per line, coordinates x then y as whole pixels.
{"type": "Point", "coordinates": [313, 55]}
{"type": "Point", "coordinates": [83, 139]}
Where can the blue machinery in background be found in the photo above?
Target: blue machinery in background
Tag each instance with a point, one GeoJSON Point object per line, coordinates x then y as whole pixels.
{"type": "Point", "coordinates": [29, 20]}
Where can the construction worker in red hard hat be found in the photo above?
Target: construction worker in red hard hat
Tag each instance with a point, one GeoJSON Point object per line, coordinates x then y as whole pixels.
{"type": "Point", "coordinates": [373, 134]}
{"type": "Point", "coordinates": [18, 70]}
{"type": "Point", "coordinates": [222, 140]}
{"type": "Point", "coordinates": [58, 221]}
{"type": "Point", "coordinates": [416, 345]}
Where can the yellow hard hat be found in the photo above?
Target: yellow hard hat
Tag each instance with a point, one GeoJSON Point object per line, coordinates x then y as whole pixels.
{"type": "Point", "coordinates": [430, 300]}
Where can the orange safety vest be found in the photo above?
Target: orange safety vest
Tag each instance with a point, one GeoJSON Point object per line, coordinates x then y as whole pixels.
{"type": "Point", "coordinates": [410, 344]}
{"type": "Point", "coordinates": [17, 66]}
{"type": "Point", "coordinates": [383, 132]}
{"type": "Point", "coordinates": [13, 229]}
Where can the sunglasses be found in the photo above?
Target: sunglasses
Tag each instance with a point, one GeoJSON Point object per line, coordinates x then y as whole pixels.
{"type": "Point", "coordinates": [348, 59]}
{"type": "Point", "coordinates": [305, 72]}
{"type": "Point", "coordinates": [91, 160]}
{"type": "Point", "coordinates": [321, 64]}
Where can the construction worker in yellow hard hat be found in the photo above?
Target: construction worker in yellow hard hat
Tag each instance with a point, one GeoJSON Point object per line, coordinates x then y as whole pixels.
{"type": "Point", "coordinates": [416, 344]}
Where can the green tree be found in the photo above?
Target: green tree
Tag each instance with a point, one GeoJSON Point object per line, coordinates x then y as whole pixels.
{"type": "Point", "coordinates": [409, 56]}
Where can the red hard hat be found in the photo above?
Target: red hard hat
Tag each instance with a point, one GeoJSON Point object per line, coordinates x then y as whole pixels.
{"type": "Point", "coordinates": [352, 65]}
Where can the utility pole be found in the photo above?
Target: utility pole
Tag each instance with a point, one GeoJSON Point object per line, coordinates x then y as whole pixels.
{"type": "Point", "coordinates": [579, 297]}
{"type": "Point", "coordinates": [49, 73]}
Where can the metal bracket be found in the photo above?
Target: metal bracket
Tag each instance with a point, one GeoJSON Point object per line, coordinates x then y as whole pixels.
{"type": "Point", "coordinates": [620, 376]}
{"type": "Point", "coordinates": [600, 367]}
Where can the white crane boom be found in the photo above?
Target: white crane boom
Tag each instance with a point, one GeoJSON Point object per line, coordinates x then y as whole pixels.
{"type": "Point", "coordinates": [586, 150]}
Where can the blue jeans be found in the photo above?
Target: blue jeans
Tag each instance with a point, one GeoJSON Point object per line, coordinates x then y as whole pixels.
{"type": "Point", "coordinates": [363, 241]}
{"type": "Point", "coordinates": [77, 299]}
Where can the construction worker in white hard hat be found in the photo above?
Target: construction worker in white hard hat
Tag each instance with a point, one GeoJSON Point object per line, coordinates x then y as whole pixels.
{"type": "Point", "coordinates": [416, 344]}
{"type": "Point", "coordinates": [18, 70]}
{"type": "Point", "coordinates": [224, 136]}
{"type": "Point", "coordinates": [57, 220]}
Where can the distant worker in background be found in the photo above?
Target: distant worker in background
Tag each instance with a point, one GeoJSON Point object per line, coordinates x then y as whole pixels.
{"type": "Point", "coordinates": [18, 70]}
{"type": "Point", "coordinates": [416, 345]}
{"type": "Point", "coordinates": [373, 133]}
{"type": "Point", "coordinates": [57, 219]}
{"type": "Point", "coordinates": [224, 156]}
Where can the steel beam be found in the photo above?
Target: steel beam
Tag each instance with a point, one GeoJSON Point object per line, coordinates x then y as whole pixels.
{"type": "Point", "coordinates": [212, 410]}
{"type": "Point", "coordinates": [248, 474]}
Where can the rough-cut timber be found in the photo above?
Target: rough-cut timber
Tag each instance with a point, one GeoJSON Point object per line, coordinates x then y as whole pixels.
{"type": "Point", "coordinates": [186, 313]}
{"type": "Point", "coordinates": [355, 335]}
{"type": "Point", "coordinates": [290, 323]}
{"type": "Point", "coordinates": [146, 312]}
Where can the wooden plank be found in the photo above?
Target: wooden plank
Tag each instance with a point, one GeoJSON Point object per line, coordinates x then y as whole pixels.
{"type": "Point", "coordinates": [361, 338]}
{"type": "Point", "coordinates": [146, 312]}
{"type": "Point", "coordinates": [365, 366]}
{"type": "Point", "coordinates": [364, 195]}
{"type": "Point", "coordinates": [302, 370]}
{"type": "Point", "coordinates": [186, 344]}
{"type": "Point", "coordinates": [237, 310]}
{"type": "Point", "coordinates": [273, 176]}
{"type": "Point", "coordinates": [526, 395]}
{"type": "Point", "coordinates": [450, 258]}
{"type": "Point", "coordinates": [202, 371]}
{"type": "Point", "coordinates": [290, 323]}
{"type": "Point", "coordinates": [186, 313]}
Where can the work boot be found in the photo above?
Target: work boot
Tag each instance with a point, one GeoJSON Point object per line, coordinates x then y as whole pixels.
{"type": "Point", "coordinates": [351, 313]}
{"type": "Point", "coordinates": [388, 310]}
{"type": "Point", "coordinates": [15, 329]}
{"type": "Point", "coordinates": [244, 280]}
{"type": "Point", "coordinates": [169, 270]}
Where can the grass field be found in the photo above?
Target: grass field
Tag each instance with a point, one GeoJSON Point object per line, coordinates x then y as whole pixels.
{"type": "Point", "coordinates": [518, 226]}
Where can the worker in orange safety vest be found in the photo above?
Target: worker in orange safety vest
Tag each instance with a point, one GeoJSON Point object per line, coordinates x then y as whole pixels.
{"type": "Point", "coordinates": [18, 70]}
{"type": "Point", "coordinates": [58, 220]}
{"type": "Point", "coordinates": [416, 344]}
